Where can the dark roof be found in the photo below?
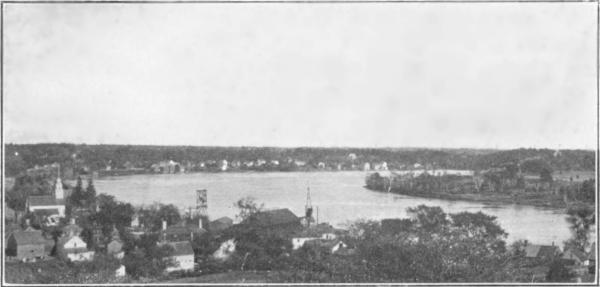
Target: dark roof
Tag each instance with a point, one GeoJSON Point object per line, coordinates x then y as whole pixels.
{"type": "Point", "coordinates": [540, 251]}
{"type": "Point", "coordinates": [223, 220]}
{"type": "Point", "coordinates": [573, 253]}
{"type": "Point", "coordinates": [181, 248]}
{"type": "Point", "coordinates": [221, 224]}
{"type": "Point", "coordinates": [44, 200]}
{"type": "Point", "coordinates": [184, 229]}
{"type": "Point", "coordinates": [273, 217]}
{"type": "Point", "coordinates": [33, 237]}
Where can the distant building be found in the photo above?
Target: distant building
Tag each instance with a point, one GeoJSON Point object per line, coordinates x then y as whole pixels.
{"type": "Point", "coordinates": [366, 166]}
{"type": "Point", "coordinates": [220, 224]}
{"type": "Point", "coordinates": [275, 219]}
{"type": "Point", "coordinates": [181, 231]}
{"type": "Point", "coordinates": [541, 251]}
{"type": "Point", "coordinates": [352, 157]}
{"type": "Point", "coordinates": [52, 204]}
{"type": "Point", "coordinates": [322, 231]}
{"type": "Point", "coordinates": [223, 165]}
{"type": "Point", "coordinates": [321, 165]}
{"type": "Point", "coordinates": [182, 255]}
{"type": "Point", "coordinates": [167, 167]}
{"type": "Point", "coordinates": [226, 249]}
{"type": "Point", "coordinates": [27, 245]}
{"type": "Point", "coordinates": [115, 246]}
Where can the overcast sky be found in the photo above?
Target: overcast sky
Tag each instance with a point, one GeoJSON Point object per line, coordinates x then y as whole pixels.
{"type": "Point", "coordinates": [502, 75]}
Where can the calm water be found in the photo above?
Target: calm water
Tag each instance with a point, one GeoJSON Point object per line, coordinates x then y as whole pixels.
{"type": "Point", "coordinates": [340, 197]}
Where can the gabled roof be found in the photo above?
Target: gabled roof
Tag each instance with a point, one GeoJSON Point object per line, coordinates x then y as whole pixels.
{"type": "Point", "coordinates": [223, 220]}
{"type": "Point", "coordinates": [273, 217]}
{"type": "Point", "coordinates": [540, 251]}
{"type": "Point", "coordinates": [44, 200]}
{"type": "Point", "coordinates": [181, 248]}
{"type": "Point", "coordinates": [33, 237]}
{"type": "Point", "coordinates": [573, 253]}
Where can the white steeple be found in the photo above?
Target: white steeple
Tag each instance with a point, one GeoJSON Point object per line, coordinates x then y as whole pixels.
{"type": "Point", "coordinates": [58, 189]}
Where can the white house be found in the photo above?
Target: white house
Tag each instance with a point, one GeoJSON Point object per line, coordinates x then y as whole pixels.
{"type": "Point", "coordinates": [73, 248]}
{"type": "Point", "coordinates": [226, 249]}
{"type": "Point", "coordinates": [323, 232]}
{"type": "Point", "coordinates": [182, 255]}
{"type": "Point", "coordinates": [367, 166]}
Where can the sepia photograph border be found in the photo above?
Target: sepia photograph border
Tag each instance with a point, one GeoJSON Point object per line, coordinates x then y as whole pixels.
{"type": "Point", "coordinates": [297, 2]}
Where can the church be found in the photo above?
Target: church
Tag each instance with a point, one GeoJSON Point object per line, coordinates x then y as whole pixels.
{"type": "Point", "coordinates": [50, 206]}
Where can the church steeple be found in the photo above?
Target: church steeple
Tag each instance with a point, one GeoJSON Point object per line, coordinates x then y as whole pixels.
{"type": "Point", "coordinates": [58, 188]}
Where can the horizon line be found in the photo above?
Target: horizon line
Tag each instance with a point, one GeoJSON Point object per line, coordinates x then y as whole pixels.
{"type": "Point", "coordinates": [300, 146]}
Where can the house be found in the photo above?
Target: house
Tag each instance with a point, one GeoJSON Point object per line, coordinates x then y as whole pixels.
{"type": "Point", "coordinates": [182, 255]}
{"type": "Point", "coordinates": [574, 256]}
{"type": "Point", "coordinates": [120, 272]}
{"type": "Point", "coordinates": [53, 204]}
{"type": "Point", "coordinates": [275, 219]}
{"type": "Point", "coordinates": [541, 251]}
{"type": "Point", "coordinates": [167, 167]}
{"type": "Point", "coordinates": [27, 245]}
{"type": "Point", "coordinates": [322, 231]}
{"type": "Point", "coordinates": [220, 224]}
{"type": "Point", "coordinates": [321, 165]}
{"type": "Point", "coordinates": [115, 246]}
{"type": "Point", "coordinates": [226, 249]}
{"type": "Point", "coordinates": [71, 247]}
{"type": "Point", "coordinates": [366, 166]}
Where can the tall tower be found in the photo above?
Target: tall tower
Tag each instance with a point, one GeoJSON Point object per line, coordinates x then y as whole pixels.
{"type": "Point", "coordinates": [201, 202]}
{"type": "Point", "coordinates": [308, 209]}
{"type": "Point", "coordinates": [59, 193]}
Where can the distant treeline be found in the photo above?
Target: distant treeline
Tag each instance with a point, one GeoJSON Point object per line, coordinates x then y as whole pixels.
{"type": "Point", "coordinates": [20, 157]}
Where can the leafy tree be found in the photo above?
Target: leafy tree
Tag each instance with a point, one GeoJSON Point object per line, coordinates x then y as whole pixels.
{"type": "Point", "coordinates": [148, 262]}
{"type": "Point", "coordinates": [558, 272]}
{"type": "Point", "coordinates": [581, 219]}
{"type": "Point", "coordinates": [90, 192]}
{"type": "Point", "coordinates": [77, 196]}
{"type": "Point", "coordinates": [247, 206]}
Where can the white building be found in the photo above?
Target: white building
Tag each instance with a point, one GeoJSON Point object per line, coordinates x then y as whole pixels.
{"type": "Point", "coordinates": [223, 165]}
{"type": "Point", "coordinates": [182, 255]}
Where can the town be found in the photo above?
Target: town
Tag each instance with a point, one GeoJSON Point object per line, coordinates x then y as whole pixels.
{"type": "Point", "coordinates": [60, 233]}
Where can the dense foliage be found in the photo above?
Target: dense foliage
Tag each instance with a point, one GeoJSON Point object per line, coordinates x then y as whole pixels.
{"type": "Point", "coordinates": [96, 157]}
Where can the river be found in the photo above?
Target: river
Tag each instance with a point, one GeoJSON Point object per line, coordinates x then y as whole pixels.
{"type": "Point", "coordinates": [339, 196]}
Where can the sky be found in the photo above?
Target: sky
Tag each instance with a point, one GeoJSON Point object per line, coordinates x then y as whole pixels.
{"type": "Point", "coordinates": [478, 75]}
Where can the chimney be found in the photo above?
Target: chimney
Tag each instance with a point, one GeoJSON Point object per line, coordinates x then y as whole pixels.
{"type": "Point", "coordinates": [164, 225]}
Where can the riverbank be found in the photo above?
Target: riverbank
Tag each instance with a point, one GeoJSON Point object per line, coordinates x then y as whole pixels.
{"type": "Point", "coordinates": [536, 200]}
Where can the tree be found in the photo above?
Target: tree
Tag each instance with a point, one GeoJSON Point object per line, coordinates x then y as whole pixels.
{"type": "Point", "coordinates": [247, 206]}
{"type": "Point", "coordinates": [77, 196]}
{"type": "Point", "coordinates": [90, 193]}
{"type": "Point", "coordinates": [581, 219]}
{"type": "Point", "coordinates": [558, 272]}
